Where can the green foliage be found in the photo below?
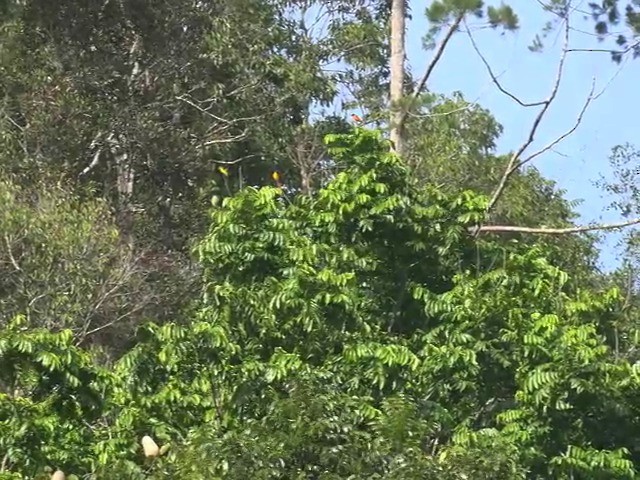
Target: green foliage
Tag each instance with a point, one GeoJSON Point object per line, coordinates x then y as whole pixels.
{"type": "Point", "coordinates": [51, 392]}
{"type": "Point", "coordinates": [63, 266]}
{"type": "Point", "coordinates": [343, 334]}
{"type": "Point", "coordinates": [453, 145]}
{"type": "Point", "coordinates": [441, 11]}
{"type": "Point", "coordinates": [176, 87]}
{"type": "Point", "coordinates": [57, 254]}
{"type": "Point", "coordinates": [348, 326]}
{"type": "Point", "coordinates": [607, 14]}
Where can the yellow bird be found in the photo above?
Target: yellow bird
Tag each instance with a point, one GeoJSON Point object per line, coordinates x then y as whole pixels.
{"type": "Point", "coordinates": [276, 178]}
{"type": "Point", "coordinates": [224, 171]}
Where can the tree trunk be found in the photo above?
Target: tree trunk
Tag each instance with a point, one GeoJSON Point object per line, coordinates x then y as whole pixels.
{"type": "Point", "coordinates": [396, 66]}
{"type": "Point", "coordinates": [124, 185]}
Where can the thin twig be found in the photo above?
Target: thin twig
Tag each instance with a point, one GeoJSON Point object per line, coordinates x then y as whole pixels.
{"type": "Point", "coordinates": [22, 130]}
{"type": "Point", "coordinates": [96, 155]}
{"type": "Point", "coordinates": [632, 46]}
{"type": "Point", "coordinates": [94, 162]}
{"type": "Point", "coordinates": [235, 138]}
{"type": "Point", "coordinates": [109, 324]}
{"type": "Point", "coordinates": [109, 292]}
{"type": "Point", "coordinates": [14, 123]}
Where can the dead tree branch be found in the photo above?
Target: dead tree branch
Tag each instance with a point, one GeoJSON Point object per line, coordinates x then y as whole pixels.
{"type": "Point", "coordinates": [494, 77]}
{"type": "Point", "coordinates": [104, 326]}
{"type": "Point", "coordinates": [237, 160]}
{"type": "Point", "coordinates": [107, 292]}
{"type": "Point", "coordinates": [97, 151]}
{"type": "Point", "coordinates": [590, 98]}
{"type": "Point", "coordinates": [307, 154]}
{"type": "Point", "coordinates": [554, 231]}
{"type": "Point", "coordinates": [516, 161]}
{"type": "Point", "coordinates": [611, 51]}
{"type": "Point", "coordinates": [515, 158]}
{"type": "Point", "coordinates": [231, 139]}
{"type": "Point", "coordinates": [21, 129]}
{"type": "Point", "coordinates": [207, 112]}
{"type": "Point", "coordinates": [432, 65]}
{"type": "Point", "coordinates": [10, 254]}
{"type": "Point", "coordinates": [221, 126]}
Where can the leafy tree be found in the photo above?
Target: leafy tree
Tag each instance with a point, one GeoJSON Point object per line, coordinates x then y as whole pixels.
{"type": "Point", "coordinates": [453, 145]}
{"type": "Point", "coordinates": [301, 364]}
{"type": "Point", "coordinates": [50, 392]}
{"type": "Point", "coordinates": [152, 96]}
{"type": "Point", "coordinates": [352, 323]}
{"type": "Point", "coordinates": [63, 266]}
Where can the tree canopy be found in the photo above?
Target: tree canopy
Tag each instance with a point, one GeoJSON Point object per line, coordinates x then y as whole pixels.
{"type": "Point", "coordinates": [207, 271]}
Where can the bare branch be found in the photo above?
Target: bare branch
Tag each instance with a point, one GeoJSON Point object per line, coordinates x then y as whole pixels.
{"type": "Point", "coordinates": [22, 131]}
{"type": "Point", "coordinates": [553, 231]}
{"type": "Point", "coordinates": [516, 161]}
{"type": "Point", "coordinates": [494, 77]}
{"type": "Point", "coordinates": [432, 64]}
{"type": "Point", "coordinates": [438, 54]}
{"type": "Point", "coordinates": [209, 102]}
{"type": "Point", "coordinates": [236, 161]}
{"type": "Point", "coordinates": [344, 51]}
{"type": "Point", "coordinates": [206, 111]}
{"type": "Point", "coordinates": [234, 138]}
{"type": "Point", "coordinates": [107, 291]}
{"type": "Point", "coordinates": [35, 299]}
{"type": "Point", "coordinates": [559, 139]}
{"type": "Point", "coordinates": [222, 124]}
{"type": "Point", "coordinates": [630, 47]}
{"type": "Point", "coordinates": [14, 123]}
{"type": "Point", "coordinates": [94, 162]}
{"type": "Point", "coordinates": [98, 152]}
{"type": "Point", "coordinates": [534, 127]}
{"type": "Point", "coordinates": [307, 153]}
{"type": "Point", "coordinates": [11, 257]}
{"type": "Point", "coordinates": [109, 324]}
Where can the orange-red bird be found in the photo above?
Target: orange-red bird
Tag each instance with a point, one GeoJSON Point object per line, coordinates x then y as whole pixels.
{"type": "Point", "coordinates": [356, 118]}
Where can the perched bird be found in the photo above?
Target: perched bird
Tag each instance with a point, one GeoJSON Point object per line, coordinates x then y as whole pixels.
{"type": "Point", "coordinates": [276, 178]}
{"type": "Point", "coordinates": [150, 447]}
{"type": "Point", "coordinates": [356, 118]}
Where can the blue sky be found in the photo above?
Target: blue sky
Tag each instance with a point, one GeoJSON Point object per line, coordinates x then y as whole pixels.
{"type": "Point", "coordinates": [609, 121]}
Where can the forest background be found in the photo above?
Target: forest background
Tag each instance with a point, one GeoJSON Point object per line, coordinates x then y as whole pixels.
{"type": "Point", "coordinates": [210, 269]}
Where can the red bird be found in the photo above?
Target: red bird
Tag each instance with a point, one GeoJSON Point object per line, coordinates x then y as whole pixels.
{"type": "Point", "coordinates": [356, 118]}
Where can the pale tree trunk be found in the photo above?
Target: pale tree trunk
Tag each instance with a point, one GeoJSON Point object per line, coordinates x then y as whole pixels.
{"type": "Point", "coordinates": [124, 186]}
{"type": "Point", "coordinates": [396, 66]}
{"type": "Point", "coordinates": [124, 164]}
{"type": "Point", "coordinates": [125, 194]}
